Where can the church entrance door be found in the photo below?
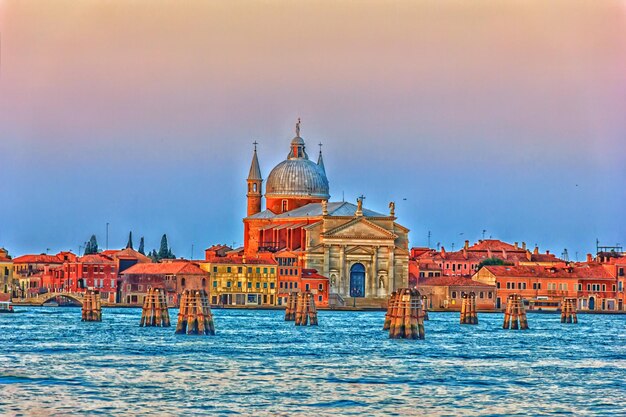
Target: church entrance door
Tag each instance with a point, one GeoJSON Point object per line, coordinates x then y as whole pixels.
{"type": "Point", "coordinates": [357, 280]}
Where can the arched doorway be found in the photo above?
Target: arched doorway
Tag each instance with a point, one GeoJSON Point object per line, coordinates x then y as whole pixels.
{"type": "Point", "coordinates": [592, 303]}
{"type": "Point", "coordinates": [357, 280]}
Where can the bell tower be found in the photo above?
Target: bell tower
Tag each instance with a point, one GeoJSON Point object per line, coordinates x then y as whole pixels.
{"type": "Point", "coordinates": [255, 182]}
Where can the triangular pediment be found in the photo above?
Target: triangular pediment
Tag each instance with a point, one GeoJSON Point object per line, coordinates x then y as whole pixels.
{"type": "Point", "coordinates": [359, 250]}
{"type": "Point", "coordinates": [359, 228]}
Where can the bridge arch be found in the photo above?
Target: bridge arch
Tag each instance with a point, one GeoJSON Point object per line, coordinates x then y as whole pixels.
{"type": "Point", "coordinates": [49, 296]}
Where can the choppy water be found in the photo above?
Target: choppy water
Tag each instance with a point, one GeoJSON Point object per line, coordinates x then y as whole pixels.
{"type": "Point", "coordinates": [52, 364]}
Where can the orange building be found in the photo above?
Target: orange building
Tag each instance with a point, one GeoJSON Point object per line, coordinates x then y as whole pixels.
{"type": "Point", "coordinates": [427, 262]}
{"type": "Point", "coordinates": [173, 276]}
{"type": "Point", "coordinates": [545, 287]}
{"type": "Point", "coordinates": [445, 292]}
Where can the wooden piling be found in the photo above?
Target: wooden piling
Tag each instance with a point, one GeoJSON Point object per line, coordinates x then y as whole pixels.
{"type": "Point", "coordinates": [568, 311]}
{"type": "Point", "coordinates": [406, 315]}
{"type": "Point", "coordinates": [155, 312]}
{"type": "Point", "coordinates": [468, 308]}
{"type": "Point", "coordinates": [425, 307]}
{"type": "Point", "coordinates": [290, 308]}
{"type": "Point", "coordinates": [194, 315]}
{"type": "Point", "coordinates": [92, 306]}
{"type": "Point", "coordinates": [390, 306]}
{"type": "Point", "coordinates": [515, 314]}
{"type": "Point", "coordinates": [306, 313]}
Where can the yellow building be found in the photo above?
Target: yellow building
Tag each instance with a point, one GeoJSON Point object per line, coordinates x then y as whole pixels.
{"type": "Point", "coordinates": [238, 283]}
{"type": "Point", "coordinates": [6, 272]}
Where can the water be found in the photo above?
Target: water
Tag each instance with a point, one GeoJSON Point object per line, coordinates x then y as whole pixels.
{"type": "Point", "coordinates": [52, 364]}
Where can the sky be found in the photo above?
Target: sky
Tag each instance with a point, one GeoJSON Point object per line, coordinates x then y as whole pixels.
{"type": "Point", "coordinates": [507, 117]}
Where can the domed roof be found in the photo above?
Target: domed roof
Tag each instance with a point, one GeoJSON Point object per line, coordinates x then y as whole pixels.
{"type": "Point", "coordinates": [297, 176]}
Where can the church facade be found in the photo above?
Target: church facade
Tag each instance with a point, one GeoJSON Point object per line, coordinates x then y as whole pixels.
{"type": "Point", "coordinates": [363, 253]}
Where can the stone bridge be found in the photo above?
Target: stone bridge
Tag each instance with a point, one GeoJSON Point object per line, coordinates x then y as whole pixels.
{"type": "Point", "coordinates": [43, 298]}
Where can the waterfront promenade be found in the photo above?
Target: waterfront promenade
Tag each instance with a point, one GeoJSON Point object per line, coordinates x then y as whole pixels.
{"type": "Point", "coordinates": [53, 364]}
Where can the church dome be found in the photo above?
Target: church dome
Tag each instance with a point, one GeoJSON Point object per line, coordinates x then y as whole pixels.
{"type": "Point", "coordinates": [297, 176]}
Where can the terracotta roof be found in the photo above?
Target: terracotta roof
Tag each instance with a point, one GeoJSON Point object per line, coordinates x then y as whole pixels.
{"type": "Point", "coordinates": [493, 245]}
{"type": "Point", "coordinates": [169, 268]}
{"type": "Point", "coordinates": [312, 273]}
{"type": "Point", "coordinates": [578, 271]}
{"type": "Point", "coordinates": [544, 257]}
{"type": "Point", "coordinates": [5, 259]}
{"type": "Point", "coordinates": [129, 253]}
{"type": "Point", "coordinates": [109, 252]}
{"type": "Point", "coordinates": [37, 259]}
{"type": "Point", "coordinates": [447, 281]}
{"type": "Point", "coordinates": [96, 259]}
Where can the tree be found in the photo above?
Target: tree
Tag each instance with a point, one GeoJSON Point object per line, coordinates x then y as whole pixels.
{"type": "Point", "coordinates": [92, 246]}
{"type": "Point", "coordinates": [492, 261]}
{"type": "Point", "coordinates": [141, 248]}
{"type": "Point", "coordinates": [129, 245]}
{"type": "Point", "coordinates": [164, 250]}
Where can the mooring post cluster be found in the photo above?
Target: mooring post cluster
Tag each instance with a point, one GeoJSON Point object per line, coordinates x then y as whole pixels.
{"type": "Point", "coordinates": [194, 316]}
{"type": "Point", "coordinates": [290, 308]}
{"type": "Point", "coordinates": [568, 311]}
{"type": "Point", "coordinates": [92, 306]}
{"type": "Point", "coordinates": [468, 308]}
{"type": "Point", "coordinates": [155, 313]}
{"type": "Point", "coordinates": [515, 314]}
{"type": "Point", "coordinates": [425, 307]}
{"type": "Point", "coordinates": [405, 315]}
{"type": "Point", "coordinates": [306, 313]}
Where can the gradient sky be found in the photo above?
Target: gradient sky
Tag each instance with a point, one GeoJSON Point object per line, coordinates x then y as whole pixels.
{"type": "Point", "coordinates": [504, 116]}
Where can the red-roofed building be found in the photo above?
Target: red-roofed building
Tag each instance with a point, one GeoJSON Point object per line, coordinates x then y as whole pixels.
{"type": "Point", "coordinates": [445, 292]}
{"type": "Point", "coordinates": [174, 276]}
{"type": "Point", "coordinates": [431, 263]}
{"type": "Point", "coordinates": [545, 287]}
{"type": "Point", "coordinates": [96, 271]}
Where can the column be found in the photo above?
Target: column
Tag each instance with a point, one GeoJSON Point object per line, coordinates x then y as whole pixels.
{"type": "Point", "coordinates": [373, 287]}
{"type": "Point", "coordinates": [344, 279]}
{"type": "Point", "coordinates": [391, 284]}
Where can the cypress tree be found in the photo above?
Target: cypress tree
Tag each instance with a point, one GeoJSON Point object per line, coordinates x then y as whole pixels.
{"type": "Point", "coordinates": [141, 249]}
{"type": "Point", "coordinates": [130, 241]}
{"type": "Point", "coordinates": [164, 250]}
{"type": "Point", "coordinates": [92, 246]}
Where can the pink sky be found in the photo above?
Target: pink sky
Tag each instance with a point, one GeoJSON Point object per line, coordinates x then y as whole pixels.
{"type": "Point", "coordinates": [456, 97]}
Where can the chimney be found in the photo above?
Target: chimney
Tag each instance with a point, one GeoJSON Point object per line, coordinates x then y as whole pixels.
{"type": "Point", "coordinates": [536, 250]}
{"type": "Point", "coordinates": [443, 251]}
{"type": "Point", "coordinates": [547, 252]}
{"type": "Point", "coordinates": [488, 252]}
{"type": "Point", "coordinates": [589, 258]}
{"type": "Point", "coordinates": [516, 247]}
{"type": "Point", "coordinates": [504, 253]}
{"type": "Point", "coordinates": [524, 245]}
{"type": "Point", "coordinates": [466, 244]}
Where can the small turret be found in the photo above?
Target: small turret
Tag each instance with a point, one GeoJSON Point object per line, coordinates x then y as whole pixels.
{"type": "Point", "coordinates": [255, 182]}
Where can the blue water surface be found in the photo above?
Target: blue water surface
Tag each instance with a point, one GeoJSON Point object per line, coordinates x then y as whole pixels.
{"type": "Point", "coordinates": [52, 364]}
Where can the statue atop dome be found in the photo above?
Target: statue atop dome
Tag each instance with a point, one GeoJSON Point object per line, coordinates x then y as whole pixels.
{"type": "Point", "coordinates": [298, 128]}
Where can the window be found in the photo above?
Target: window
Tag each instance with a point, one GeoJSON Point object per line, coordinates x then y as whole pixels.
{"type": "Point", "coordinates": [265, 270]}
{"type": "Point", "coordinates": [227, 284]}
{"type": "Point", "coordinates": [284, 206]}
{"type": "Point", "coordinates": [214, 285]}
{"type": "Point", "coordinates": [249, 285]}
{"type": "Point", "coordinates": [603, 287]}
{"type": "Point", "coordinates": [490, 295]}
{"type": "Point", "coordinates": [182, 282]}
{"type": "Point", "coordinates": [481, 294]}
{"type": "Point", "coordinates": [307, 287]}
{"type": "Point", "coordinates": [579, 287]}
{"type": "Point", "coordinates": [588, 287]}
{"type": "Point", "coordinates": [228, 269]}
{"type": "Point", "coordinates": [320, 287]}
{"type": "Point", "coordinates": [249, 270]}
{"type": "Point", "coordinates": [498, 284]}
{"type": "Point", "coordinates": [112, 283]}
{"type": "Point", "coordinates": [254, 187]}
{"type": "Point", "coordinates": [271, 270]}
{"type": "Point", "coordinates": [239, 284]}
{"type": "Point", "coordinates": [621, 272]}
{"type": "Point", "coordinates": [295, 285]}
{"type": "Point", "coordinates": [453, 294]}
{"type": "Point", "coordinates": [265, 285]}
{"type": "Point", "coordinates": [258, 284]}
{"type": "Point", "coordinates": [214, 269]}
{"type": "Point", "coordinates": [319, 298]}
{"type": "Point", "coordinates": [620, 286]}
{"type": "Point", "coordinates": [613, 288]}
{"type": "Point", "coordinates": [258, 270]}
{"type": "Point", "coordinates": [239, 269]}
{"type": "Point", "coordinates": [272, 285]}
{"type": "Point", "coordinates": [453, 267]}
{"type": "Point", "coordinates": [291, 285]}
